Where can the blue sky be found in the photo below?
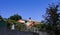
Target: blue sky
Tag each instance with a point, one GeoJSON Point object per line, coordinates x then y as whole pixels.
{"type": "Point", "coordinates": [26, 8]}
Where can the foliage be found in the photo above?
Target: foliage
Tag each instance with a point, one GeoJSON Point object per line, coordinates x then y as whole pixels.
{"type": "Point", "coordinates": [52, 18]}
{"type": "Point", "coordinates": [15, 17]}
{"type": "Point", "coordinates": [9, 23]}
{"type": "Point", "coordinates": [1, 18]}
{"type": "Point", "coordinates": [40, 26]}
{"type": "Point", "coordinates": [18, 26]}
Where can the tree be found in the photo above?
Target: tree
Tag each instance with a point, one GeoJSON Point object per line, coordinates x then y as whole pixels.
{"type": "Point", "coordinates": [15, 17]}
{"type": "Point", "coordinates": [1, 18]}
{"type": "Point", "coordinates": [52, 18]}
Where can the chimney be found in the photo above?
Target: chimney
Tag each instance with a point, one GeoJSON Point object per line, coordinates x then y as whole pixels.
{"type": "Point", "coordinates": [29, 18]}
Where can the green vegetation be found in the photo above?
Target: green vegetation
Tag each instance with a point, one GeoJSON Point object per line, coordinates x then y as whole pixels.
{"type": "Point", "coordinates": [52, 18]}
{"type": "Point", "coordinates": [12, 20]}
{"type": "Point", "coordinates": [15, 17]}
{"type": "Point", "coordinates": [39, 26]}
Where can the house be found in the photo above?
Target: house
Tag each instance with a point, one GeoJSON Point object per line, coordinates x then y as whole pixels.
{"type": "Point", "coordinates": [29, 23]}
